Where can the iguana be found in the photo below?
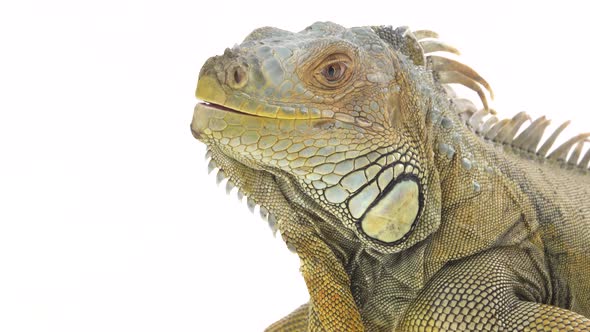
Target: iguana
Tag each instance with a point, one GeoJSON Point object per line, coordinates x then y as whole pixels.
{"type": "Point", "coordinates": [410, 208]}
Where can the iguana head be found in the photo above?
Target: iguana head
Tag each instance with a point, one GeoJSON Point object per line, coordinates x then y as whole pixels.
{"type": "Point", "coordinates": [335, 118]}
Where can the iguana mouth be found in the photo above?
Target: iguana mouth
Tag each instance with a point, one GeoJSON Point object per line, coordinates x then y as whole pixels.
{"type": "Point", "coordinates": [223, 108]}
{"type": "Point", "coordinates": [219, 107]}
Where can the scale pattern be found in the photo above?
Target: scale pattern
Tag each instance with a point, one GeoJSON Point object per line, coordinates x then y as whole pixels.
{"type": "Point", "coordinates": [410, 208]}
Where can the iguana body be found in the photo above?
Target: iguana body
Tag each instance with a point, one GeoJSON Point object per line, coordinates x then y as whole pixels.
{"type": "Point", "coordinates": [410, 211]}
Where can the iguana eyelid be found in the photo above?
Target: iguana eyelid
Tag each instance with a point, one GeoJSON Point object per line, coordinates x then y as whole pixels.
{"type": "Point", "coordinates": [335, 58]}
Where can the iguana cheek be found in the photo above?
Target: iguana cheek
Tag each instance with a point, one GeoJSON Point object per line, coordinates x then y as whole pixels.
{"type": "Point", "coordinates": [393, 216]}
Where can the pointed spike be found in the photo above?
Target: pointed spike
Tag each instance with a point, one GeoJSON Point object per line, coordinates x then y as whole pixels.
{"type": "Point", "coordinates": [272, 223]}
{"type": "Point", "coordinates": [220, 176]}
{"type": "Point", "coordinates": [211, 166]}
{"type": "Point", "coordinates": [430, 46]}
{"type": "Point", "coordinates": [549, 142]}
{"type": "Point", "coordinates": [423, 34]}
{"type": "Point", "coordinates": [450, 77]}
{"type": "Point", "coordinates": [251, 204]}
{"type": "Point", "coordinates": [577, 151]}
{"type": "Point", "coordinates": [561, 152]}
{"type": "Point", "coordinates": [263, 213]}
{"type": "Point", "coordinates": [449, 90]}
{"type": "Point", "coordinates": [464, 105]}
{"type": "Point", "coordinates": [208, 154]}
{"type": "Point", "coordinates": [585, 160]}
{"type": "Point", "coordinates": [488, 124]}
{"type": "Point", "coordinates": [476, 119]}
{"type": "Point", "coordinates": [531, 143]}
{"type": "Point", "coordinates": [442, 64]}
{"type": "Point", "coordinates": [503, 133]}
{"type": "Point", "coordinates": [291, 248]}
{"type": "Point", "coordinates": [240, 194]}
{"type": "Point", "coordinates": [506, 135]}
{"type": "Point", "coordinates": [229, 186]}
{"type": "Point", "coordinates": [525, 133]}
{"type": "Point", "coordinates": [465, 116]}
{"type": "Point", "coordinates": [491, 134]}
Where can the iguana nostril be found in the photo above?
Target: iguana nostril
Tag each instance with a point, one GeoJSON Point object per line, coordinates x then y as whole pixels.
{"type": "Point", "coordinates": [236, 77]}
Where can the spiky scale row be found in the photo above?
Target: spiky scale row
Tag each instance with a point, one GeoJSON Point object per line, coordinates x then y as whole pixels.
{"type": "Point", "coordinates": [487, 125]}
{"type": "Point", "coordinates": [504, 132]}
{"type": "Point", "coordinates": [230, 185]}
{"type": "Point", "coordinates": [529, 139]}
{"type": "Point", "coordinates": [448, 71]}
{"type": "Point", "coordinates": [495, 129]}
{"type": "Point", "coordinates": [475, 121]}
{"type": "Point", "coordinates": [562, 151]}
{"type": "Point", "coordinates": [576, 152]}
{"type": "Point", "coordinates": [551, 140]}
{"type": "Point", "coordinates": [442, 64]}
{"type": "Point", "coordinates": [508, 132]}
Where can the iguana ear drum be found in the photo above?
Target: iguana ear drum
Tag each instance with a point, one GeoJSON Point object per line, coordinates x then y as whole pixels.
{"type": "Point", "coordinates": [394, 215]}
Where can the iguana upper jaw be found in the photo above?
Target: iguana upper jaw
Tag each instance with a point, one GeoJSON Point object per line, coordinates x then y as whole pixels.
{"type": "Point", "coordinates": [210, 91]}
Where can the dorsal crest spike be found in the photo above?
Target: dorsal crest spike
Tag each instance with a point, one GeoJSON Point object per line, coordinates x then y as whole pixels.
{"type": "Point", "coordinates": [464, 105]}
{"type": "Point", "coordinates": [442, 64]}
{"type": "Point", "coordinates": [418, 46]}
{"type": "Point", "coordinates": [527, 135]}
{"type": "Point", "coordinates": [424, 34]}
{"type": "Point", "coordinates": [431, 46]}
{"type": "Point", "coordinates": [487, 125]}
{"type": "Point", "coordinates": [561, 152]}
{"type": "Point", "coordinates": [585, 160]}
{"type": "Point", "coordinates": [532, 143]}
{"type": "Point", "coordinates": [450, 77]}
{"type": "Point", "coordinates": [493, 132]}
{"type": "Point", "coordinates": [576, 152]}
{"type": "Point", "coordinates": [507, 133]}
{"type": "Point", "coordinates": [476, 119]}
{"type": "Point", "coordinates": [549, 142]}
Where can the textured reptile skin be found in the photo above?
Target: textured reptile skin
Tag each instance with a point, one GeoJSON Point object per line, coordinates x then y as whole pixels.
{"type": "Point", "coordinates": [410, 209]}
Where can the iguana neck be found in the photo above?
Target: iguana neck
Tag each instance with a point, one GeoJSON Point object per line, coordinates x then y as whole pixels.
{"type": "Point", "coordinates": [451, 147]}
{"type": "Point", "coordinates": [477, 187]}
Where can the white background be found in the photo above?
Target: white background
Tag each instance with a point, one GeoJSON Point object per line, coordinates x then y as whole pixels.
{"type": "Point", "coordinates": [108, 220]}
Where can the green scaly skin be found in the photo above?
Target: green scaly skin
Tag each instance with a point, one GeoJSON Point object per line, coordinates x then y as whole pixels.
{"type": "Point", "coordinates": [404, 215]}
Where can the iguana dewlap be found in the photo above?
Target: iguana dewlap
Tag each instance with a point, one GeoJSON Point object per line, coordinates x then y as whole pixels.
{"type": "Point", "coordinates": [410, 209]}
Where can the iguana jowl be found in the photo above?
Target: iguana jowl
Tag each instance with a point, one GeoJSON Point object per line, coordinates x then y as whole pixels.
{"type": "Point", "coordinates": [410, 209]}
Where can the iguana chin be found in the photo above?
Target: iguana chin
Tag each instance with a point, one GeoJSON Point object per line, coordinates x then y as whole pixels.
{"type": "Point", "coordinates": [410, 209]}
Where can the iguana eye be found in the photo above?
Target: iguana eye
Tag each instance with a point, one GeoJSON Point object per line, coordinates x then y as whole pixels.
{"type": "Point", "coordinates": [334, 70]}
